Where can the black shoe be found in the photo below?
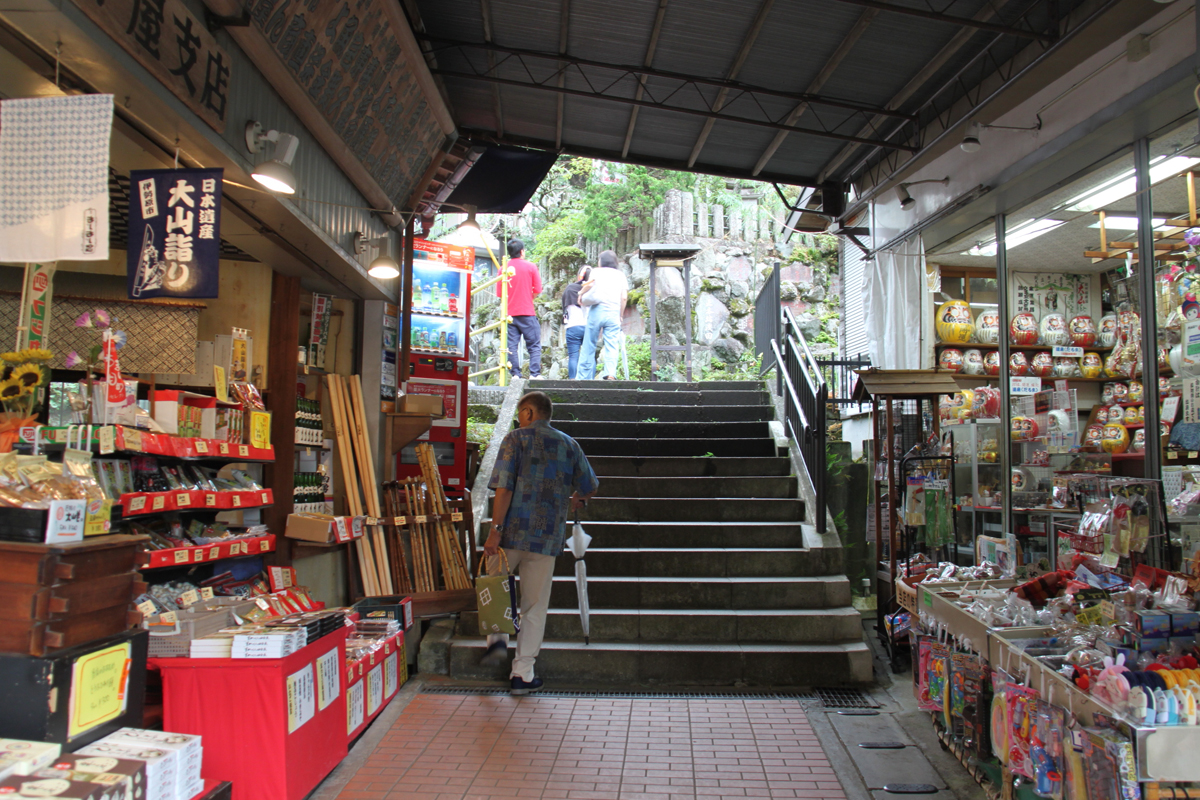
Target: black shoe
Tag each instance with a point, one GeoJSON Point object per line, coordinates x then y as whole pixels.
{"type": "Point", "coordinates": [520, 687]}
{"type": "Point", "coordinates": [495, 654]}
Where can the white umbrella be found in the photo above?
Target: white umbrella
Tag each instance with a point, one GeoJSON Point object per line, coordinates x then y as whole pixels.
{"type": "Point", "coordinates": [579, 540]}
{"type": "Point", "coordinates": [584, 610]}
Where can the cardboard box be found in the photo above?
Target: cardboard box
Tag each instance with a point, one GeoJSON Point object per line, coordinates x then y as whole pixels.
{"type": "Point", "coordinates": [106, 770]}
{"type": "Point", "coordinates": [20, 757]}
{"type": "Point", "coordinates": [310, 528]}
{"type": "Point", "coordinates": [1185, 623]}
{"type": "Point", "coordinates": [160, 765]}
{"type": "Point", "coordinates": [422, 404]}
{"type": "Point", "coordinates": [186, 746]}
{"type": "Point", "coordinates": [1152, 624]}
{"type": "Point", "coordinates": [32, 786]}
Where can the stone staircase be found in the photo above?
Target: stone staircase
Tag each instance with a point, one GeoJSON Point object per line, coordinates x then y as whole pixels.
{"type": "Point", "coordinates": [700, 571]}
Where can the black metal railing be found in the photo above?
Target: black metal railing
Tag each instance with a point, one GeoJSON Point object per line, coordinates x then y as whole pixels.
{"type": "Point", "coordinates": [840, 377]}
{"type": "Point", "coordinates": [767, 319]}
{"type": "Point", "coordinates": [802, 385]}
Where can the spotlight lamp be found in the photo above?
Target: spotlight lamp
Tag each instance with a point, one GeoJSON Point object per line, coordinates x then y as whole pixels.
{"type": "Point", "coordinates": [469, 222]}
{"type": "Point", "coordinates": [906, 199]}
{"type": "Point", "coordinates": [275, 174]}
{"type": "Point", "coordinates": [383, 267]}
{"type": "Point", "coordinates": [971, 142]}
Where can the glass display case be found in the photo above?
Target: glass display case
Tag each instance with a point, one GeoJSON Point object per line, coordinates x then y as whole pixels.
{"type": "Point", "coordinates": [439, 306]}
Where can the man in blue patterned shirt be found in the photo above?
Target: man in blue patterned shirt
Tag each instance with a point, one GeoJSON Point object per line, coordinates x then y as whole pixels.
{"type": "Point", "coordinates": [540, 475]}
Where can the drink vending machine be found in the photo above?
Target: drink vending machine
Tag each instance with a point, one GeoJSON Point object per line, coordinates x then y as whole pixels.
{"type": "Point", "coordinates": [441, 310]}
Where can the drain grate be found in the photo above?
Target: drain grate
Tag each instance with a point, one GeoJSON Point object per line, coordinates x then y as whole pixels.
{"type": "Point", "coordinates": [616, 695]}
{"type": "Point", "coordinates": [845, 698]}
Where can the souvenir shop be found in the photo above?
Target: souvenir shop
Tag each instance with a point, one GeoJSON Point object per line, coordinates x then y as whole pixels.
{"type": "Point", "coordinates": [218, 431]}
{"type": "Point", "coordinates": [1039, 519]}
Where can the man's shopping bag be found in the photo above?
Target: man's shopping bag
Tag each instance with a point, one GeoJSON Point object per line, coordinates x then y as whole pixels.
{"type": "Point", "coordinates": [496, 598]}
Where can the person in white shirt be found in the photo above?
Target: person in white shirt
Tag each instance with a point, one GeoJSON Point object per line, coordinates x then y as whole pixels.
{"type": "Point", "coordinates": [604, 298]}
{"type": "Point", "coordinates": [574, 320]}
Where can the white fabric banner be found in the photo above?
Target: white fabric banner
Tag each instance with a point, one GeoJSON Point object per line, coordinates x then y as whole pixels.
{"type": "Point", "coordinates": [54, 178]}
{"type": "Point", "coordinates": [892, 306]}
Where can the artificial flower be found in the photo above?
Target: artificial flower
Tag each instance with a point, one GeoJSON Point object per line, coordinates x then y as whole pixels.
{"type": "Point", "coordinates": [103, 320]}
{"type": "Point", "coordinates": [11, 389]}
{"type": "Point", "coordinates": [1192, 238]}
{"type": "Point", "coordinates": [28, 374]}
{"type": "Point", "coordinates": [119, 338]}
{"type": "Point", "coordinates": [73, 360]}
{"type": "Point", "coordinates": [84, 320]}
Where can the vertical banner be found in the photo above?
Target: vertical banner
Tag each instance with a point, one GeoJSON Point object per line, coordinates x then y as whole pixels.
{"type": "Point", "coordinates": [387, 374]}
{"type": "Point", "coordinates": [112, 369]}
{"type": "Point", "coordinates": [174, 233]}
{"type": "Point", "coordinates": [239, 359]}
{"type": "Point", "coordinates": [318, 337]}
{"type": "Point", "coordinates": [35, 307]}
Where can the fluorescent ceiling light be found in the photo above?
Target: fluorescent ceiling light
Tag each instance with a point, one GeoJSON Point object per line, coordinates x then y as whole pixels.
{"type": "Point", "coordinates": [1019, 234]}
{"type": "Point", "coordinates": [1127, 223]}
{"type": "Point", "coordinates": [1125, 184]}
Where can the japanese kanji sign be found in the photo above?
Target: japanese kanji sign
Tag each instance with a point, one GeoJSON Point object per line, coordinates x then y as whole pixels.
{"type": "Point", "coordinates": [174, 44]}
{"type": "Point", "coordinates": [174, 233]}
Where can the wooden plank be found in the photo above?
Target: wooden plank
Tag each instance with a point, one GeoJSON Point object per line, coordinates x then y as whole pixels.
{"type": "Point", "coordinates": [280, 477]}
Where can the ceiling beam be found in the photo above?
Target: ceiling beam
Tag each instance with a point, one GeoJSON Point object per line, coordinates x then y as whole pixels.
{"type": "Point", "coordinates": [564, 24]}
{"type": "Point", "coordinates": [843, 50]}
{"type": "Point", "coordinates": [647, 62]}
{"type": "Point", "coordinates": [485, 13]}
{"type": "Point", "coordinates": [695, 112]}
{"type": "Point", "coordinates": [740, 59]}
{"type": "Point", "coordinates": [649, 72]}
{"type": "Point", "coordinates": [721, 171]}
{"type": "Point", "coordinates": [965, 22]}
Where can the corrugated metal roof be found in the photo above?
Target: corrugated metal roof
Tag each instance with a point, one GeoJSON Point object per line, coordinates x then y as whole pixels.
{"type": "Point", "coordinates": [702, 39]}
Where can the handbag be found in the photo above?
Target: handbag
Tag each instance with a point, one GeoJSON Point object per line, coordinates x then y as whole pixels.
{"type": "Point", "coordinates": [496, 599]}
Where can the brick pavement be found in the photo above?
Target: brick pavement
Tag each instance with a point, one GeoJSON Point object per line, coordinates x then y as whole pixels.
{"type": "Point", "coordinates": [449, 747]}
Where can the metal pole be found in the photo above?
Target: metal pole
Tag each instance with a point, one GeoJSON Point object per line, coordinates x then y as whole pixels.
{"type": "Point", "coordinates": [653, 322]}
{"type": "Point", "coordinates": [1004, 435]}
{"type": "Point", "coordinates": [1149, 318]}
{"type": "Point", "coordinates": [406, 301]}
{"type": "Point", "coordinates": [504, 367]}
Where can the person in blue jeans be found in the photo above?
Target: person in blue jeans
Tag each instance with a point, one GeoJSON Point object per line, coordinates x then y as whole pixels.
{"type": "Point", "coordinates": [604, 297]}
{"type": "Point", "coordinates": [574, 320]}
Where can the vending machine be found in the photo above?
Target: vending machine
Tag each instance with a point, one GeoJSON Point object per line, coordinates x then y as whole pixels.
{"type": "Point", "coordinates": [441, 309]}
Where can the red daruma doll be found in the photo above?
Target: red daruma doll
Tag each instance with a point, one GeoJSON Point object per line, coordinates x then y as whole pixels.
{"type": "Point", "coordinates": [1023, 329]}
{"type": "Point", "coordinates": [1042, 365]}
{"type": "Point", "coordinates": [1018, 364]}
{"type": "Point", "coordinates": [991, 363]}
{"type": "Point", "coordinates": [1083, 331]}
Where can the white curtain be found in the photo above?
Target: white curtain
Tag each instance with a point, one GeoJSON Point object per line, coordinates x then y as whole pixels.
{"type": "Point", "coordinates": [892, 290]}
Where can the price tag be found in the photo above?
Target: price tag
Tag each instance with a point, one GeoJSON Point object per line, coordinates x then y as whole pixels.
{"type": "Point", "coordinates": [108, 439]}
{"type": "Point", "coordinates": [1172, 455]}
{"type": "Point", "coordinates": [421, 519]}
{"type": "Point", "coordinates": [201, 446]}
{"type": "Point", "coordinates": [133, 439]}
{"type": "Point", "coordinates": [190, 597]}
{"type": "Point", "coordinates": [168, 618]}
{"type": "Point", "coordinates": [210, 499]}
{"type": "Point", "coordinates": [147, 608]}
{"type": "Point", "coordinates": [136, 504]}
{"type": "Point", "coordinates": [237, 501]}
{"type": "Point", "coordinates": [1170, 409]}
{"type": "Point", "coordinates": [1193, 454]}
{"type": "Point", "coordinates": [223, 448]}
{"type": "Point", "coordinates": [356, 527]}
{"type": "Point", "coordinates": [265, 498]}
{"type": "Point", "coordinates": [244, 450]}
{"type": "Point", "coordinates": [214, 552]}
{"type": "Point", "coordinates": [160, 502]}
{"type": "Point", "coordinates": [182, 556]}
{"type": "Point", "coordinates": [342, 530]}
{"type": "Point", "coordinates": [183, 499]}
{"type": "Point", "coordinates": [263, 604]}
{"type": "Point", "coordinates": [456, 516]}
{"type": "Point", "coordinates": [1059, 351]}
{"type": "Point", "coordinates": [206, 593]}
{"type": "Point", "coordinates": [400, 521]}
{"type": "Point", "coordinates": [1021, 385]}
{"type": "Point", "coordinates": [1061, 386]}
{"type": "Point", "coordinates": [264, 546]}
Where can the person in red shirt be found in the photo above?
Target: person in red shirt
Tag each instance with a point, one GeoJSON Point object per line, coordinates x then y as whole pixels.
{"type": "Point", "coordinates": [523, 286]}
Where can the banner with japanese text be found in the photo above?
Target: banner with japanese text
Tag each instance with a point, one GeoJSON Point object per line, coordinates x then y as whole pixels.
{"type": "Point", "coordinates": [174, 233]}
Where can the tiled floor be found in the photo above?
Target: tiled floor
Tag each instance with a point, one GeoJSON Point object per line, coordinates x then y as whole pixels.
{"type": "Point", "coordinates": [465, 747]}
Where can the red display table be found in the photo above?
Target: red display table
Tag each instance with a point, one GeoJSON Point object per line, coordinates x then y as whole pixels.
{"type": "Point", "coordinates": [273, 727]}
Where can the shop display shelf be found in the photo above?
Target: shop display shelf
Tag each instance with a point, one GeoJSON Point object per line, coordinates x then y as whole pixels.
{"type": "Point", "coordinates": [141, 503]}
{"type": "Point", "coordinates": [1128, 456]}
{"type": "Point", "coordinates": [447, 353]}
{"type": "Point", "coordinates": [131, 441]}
{"type": "Point", "coordinates": [1023, 347]}
{"type": "Point", "coordinates": [206, 553]}
{"type": "Point", "coordinates": [438, 314]}
{"type": "Point", "coordinates": [960, 376]}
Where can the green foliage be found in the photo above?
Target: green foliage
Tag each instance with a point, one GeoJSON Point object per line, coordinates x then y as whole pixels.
{"type": "Point", "coordinates": [650, 419]}
{"type": "Point", "coordinates": [480, 432]}
{"type": "Point", "coordinates": [638, 354]}
{"type": "Point", "coordinates": [746, 368]}
{"type": "Point", "coordinates": [557, 242]}
{"type": "Point", "coordinates": [605, 208]}
{"type": "Point", "coordinates": [822, 254]}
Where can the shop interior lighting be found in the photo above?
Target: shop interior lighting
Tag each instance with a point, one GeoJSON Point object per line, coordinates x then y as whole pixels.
{"type": "Point", "coordinates": [1125, 184]}
{"type": "Point", "coordinates": [906, 199]}
{"type": "Point", "coordinates": [275, 174]}
{"type": "Point", "coordinates": [469, 222]}
{"type": "Point", "coordinates": [1128, 223]}
{"type": "Point", "coordinates": [1017, 235]}
{"type": "Point", "coordinates": [384, 267]}
{"type": "Point", "coordinates": [971, 142]}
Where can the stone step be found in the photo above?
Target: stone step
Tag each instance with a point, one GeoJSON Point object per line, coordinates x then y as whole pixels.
{"type": "Point", "coordinates": [695, 534]}
{"type": "Point", "coordinates": [702, 397]}
{"type": "Point", "coordinates": [664, 430]}
{"type": "Point", "coordinates": [744, 448]}
{"type": "Point", "coordinates": [686, 467]}
{"type": "Point", "coordinates": [816, 591]}
{"type": "Point", "coordinates": [758, 487]}
{"type": "Point", "coordinates": [635, 412]}
{"type": "Point", "coordinates": [648, 386]}
{"type": "Point", "coordinates": [716, 626]}
{"type": "Point", "coordinates": [645, 663]}
{"type": "Point", "coordinates": [706, 509]}
{"type": "Point", "coordinates": [697, 563]}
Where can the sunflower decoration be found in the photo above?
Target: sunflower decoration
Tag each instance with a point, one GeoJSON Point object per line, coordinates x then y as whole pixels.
{"type": "Point", "coordinates": [28, 375]}
{"type": "Point", "coordinates": [39, 355]}
{"type": "Point", "coordinates": [10, 391]}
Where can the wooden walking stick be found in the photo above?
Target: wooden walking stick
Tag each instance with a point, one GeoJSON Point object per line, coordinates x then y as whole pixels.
{"type": "Point", "coordinates": [366, 470]}
{"type": "Point", "coordinates": [421, 570]}
{"type": "Point", "coordinates": [454, 565]}
{"type": "Point", "coordinates": [349, 484]}
{"type": "Point", "coordinates": [400, 562]}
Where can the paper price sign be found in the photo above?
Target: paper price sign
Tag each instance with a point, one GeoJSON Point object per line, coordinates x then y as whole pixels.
{"type": "Point", "coordinates": [206, 593]}
{"type": "Point", "coordinates": [456, 516]}
{"type": "Point", "coordinates": [355, 711]}
{"type": "Point", "coordinates": [107, 437]}
{"type": "Point", "coordinates": [168, 617]}
{"type": "Point", "coordinates": [137, 503]}
{"type": "Point", "coordinates": [183, 499]}
{"type": "Point", "coordinates": [214, 553]}
{"type": "Point", "coordinates": [237, 501]}
{"type": "Point", "coordinates": [265, 498]}
{"type": "Point", "coordinates": [159, 503]}
{"type": "Point", "coordinates": [133, 439]}
{"type": "Point", "coordinates": [421, 519]}
{"type": "Point", "coordinates": [147, 608]}
{"type": "Point", "coordinates": [223, 448]}
{"type": "Point", "coordinates": [190, 597]}
{"type": "Point", "coordinates": [66, 521]}
{"type": "Point", "coordinates": [374, 681]}
{"type": "Point", "coordinates": [356, 527]}
{"type": "Point", "coordinates": [301, 697]}
{"type": "Point", "coordinates": [182, 556]}
{"type": "Point", "coordinates": [210, 500]}
{"type": "Point", "coordinates": [201, 447]}
{"type": "Point", "coordinates": [389, 675]}
{"type": "Point", "coordinates": [1021, 385]}
{"type": "Point", "coordinates": [244, 450]}
{"type": "Point", "coordinates": [1058, 351]}
{"type": "Point", "coordinates": [329, 681]}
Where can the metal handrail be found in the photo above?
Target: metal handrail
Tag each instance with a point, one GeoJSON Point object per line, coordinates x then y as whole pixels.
{"type": "Point", "coordinates": [787, 381]}
{"type": "Point", "coordinates": [502, 276]}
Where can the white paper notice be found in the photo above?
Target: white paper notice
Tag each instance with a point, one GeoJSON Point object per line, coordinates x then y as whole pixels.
{"type": "Point", "coordinates": [355, 710]}
{"type": "Point", "coordinates": [301, 697]}
{"type": "Point", "coordinates": [389, 675]}
{"type": "Point", "coordinates": [329, 683]}
{"type": "Point", "coordinates": [1019, 385]}
{"type": "Point", "coordinates": [374, 681]}
{"type": "Point", "coordinates": [1191, 400]}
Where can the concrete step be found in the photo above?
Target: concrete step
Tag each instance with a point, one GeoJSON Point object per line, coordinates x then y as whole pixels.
{"type": "Point", "coordinates": [647, 663]}
{"type": "Point", "coordinates": [744, 448]}
{"type": "Point", "coordinates": [662, 430]}
{"type": "Point", "coordinates": [708, 509]}
{"type": "Point", "coordinates": [695, 534]}
{"type": "Point", "coordinates": [648, 386]}
{"type": "Point", "coordinates": [686, 467]}
{"type": "Point", "coordinates": [699, 397]}
{"type": "Point", "coordinates": [697, 563]}
{"type": "Point", "coordinates": [697, 626]}
{"type": "Point", "coordinates": [816, 592]}
{"type": "Point", "coordinates": [634, 412]}
{"type": "Point", "coordinates": [758, 487]}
